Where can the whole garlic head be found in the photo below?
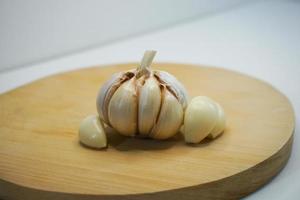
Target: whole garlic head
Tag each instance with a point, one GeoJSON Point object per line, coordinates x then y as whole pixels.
{"type": "Point", "coordinates": [143, 102]}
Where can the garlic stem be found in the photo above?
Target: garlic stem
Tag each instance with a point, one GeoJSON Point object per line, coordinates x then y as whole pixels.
{"type": "Point", "coordinates": [147, 59]}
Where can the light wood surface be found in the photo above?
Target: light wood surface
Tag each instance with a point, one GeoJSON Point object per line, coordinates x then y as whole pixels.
{"type": "Point", "coordinates": [41, 158]}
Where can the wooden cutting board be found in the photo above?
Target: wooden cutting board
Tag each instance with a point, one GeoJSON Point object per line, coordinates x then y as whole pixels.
{"type": "Point", "coordinates": [41, 158]}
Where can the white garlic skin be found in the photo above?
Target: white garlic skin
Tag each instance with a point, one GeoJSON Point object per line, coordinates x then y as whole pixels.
{"type": "Point", "coordinates": [170, 118]}
{"type": "Point", "coordinates": [149, 105]}
{"type": "Point", "coordinates": [91, 132]}
{"type": "Point", "coordinates": [122, 109]}
{"type": "Point", "coordinates": [176, 85]}
{"type": "Point", "coordinates": [203, 118]}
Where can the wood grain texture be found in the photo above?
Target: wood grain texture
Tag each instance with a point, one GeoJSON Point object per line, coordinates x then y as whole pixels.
{"type": "Point", "coordinates": [41, 158]}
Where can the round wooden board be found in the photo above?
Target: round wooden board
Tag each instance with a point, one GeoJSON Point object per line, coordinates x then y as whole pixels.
{"type": "Point", "coordinates": [41, 158]}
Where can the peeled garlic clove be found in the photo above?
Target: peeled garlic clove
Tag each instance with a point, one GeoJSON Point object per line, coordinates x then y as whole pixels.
{"type": "Point", "coordinates": [122, 109]}
{"type": "Point", "coordinates": [91, 132]}
{"type": "Point", "coordinates": [170, 117]}
{"type": "Point", "coordinates": [149, 105]}
{"type": "Point", "coordinates": [200, 118]}
{"type": "Point", "coordinates": [174, 85]}
{"type": "Point", "coordinates": [220, 124]}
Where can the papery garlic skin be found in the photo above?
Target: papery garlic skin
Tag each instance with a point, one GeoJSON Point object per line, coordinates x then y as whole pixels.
{"type": "Point", "coordinates": [149, 105]}
{"type": "Point", "coordinates": [143, 102]}
{"type": "Point", "coordinates": [170, 118]}
{"type": "Point", "coordinates": [107, 91]}
{"type": "Point", "coordinates": [106, 88]}
{"type": "Point", "coordinates": [175, 86]}
{"type": "Point", "coordinates": [92, 133]}
{"type": "Point", "coordinates": [122, 109]}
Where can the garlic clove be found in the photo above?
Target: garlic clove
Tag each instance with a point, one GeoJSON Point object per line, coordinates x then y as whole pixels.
{"type": "Point", "coordinates": [149, 105]}
{"type": "Point", "coordinates": [220, 124]}
{"type": "Point", "coordinates": [122, 109]}
{"type": "Point", "coordinates": [174, 85]}
{"type": "Point", "coordinates": [221, 120]}
{"type": "Point", "coordinates": [170, 117]}
{"type": "Point", "coordinates": [91, 132]}
{"type": "Point", "coordinates": [105, 90]}
{"type": "Point", "coordinates": [200, 118]}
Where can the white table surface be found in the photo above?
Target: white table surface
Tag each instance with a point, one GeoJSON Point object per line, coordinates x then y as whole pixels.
{"type": "Point", "coordinates": [261, 39]}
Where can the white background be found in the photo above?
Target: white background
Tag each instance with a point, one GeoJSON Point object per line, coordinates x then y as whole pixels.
{"type": "Point", "coordinates": [261, 39]}
{"type": "Point", "coordinates": [35, 30]}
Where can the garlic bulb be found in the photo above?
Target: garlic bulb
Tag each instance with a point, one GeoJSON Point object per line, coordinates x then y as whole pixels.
{"type": "Point", "coordinates": [91, 132]}
{"type": "Point", "coordinates": [203, 118]}
{"type": "Point", "coordinates": [143, 102]}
